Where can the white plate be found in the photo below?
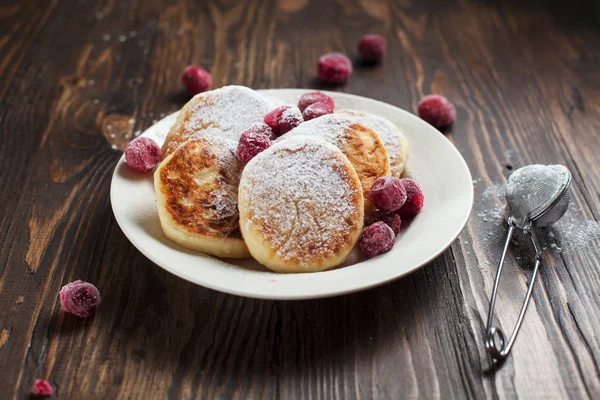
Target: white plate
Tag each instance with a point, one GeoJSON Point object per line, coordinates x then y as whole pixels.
{"type": "Point", "coordinates": [433, 162]}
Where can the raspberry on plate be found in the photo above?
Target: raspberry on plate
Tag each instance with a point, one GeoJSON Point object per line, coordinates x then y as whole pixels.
{"type": "Point", "coordinates": [334, 68]}
{"type": "Point", "coordinates": [388, 194]}
{"type": "Point", "coordinates": [376, 239]}
{"type": "Point", "coordinates": [414, 199]}
{"type": "Point", "coordinates": [252, 142]}
{"type": "Point", "coordinates": [316, 110]}
{"type": "Point", "coordinates": [314, 97]}
{"type": "Point", "coordinates": [41, 387]}
{"type": "Point", "coordinates": [264, 129]}
{"type": "Point", "coordinates": [142, 154]}
{"type": "Point", "coordinates": [283, 119]}
{"type": "Point", "coordinates": [196, 79]}
{"type": "Point", "coordinates": [80, 298]}
{"type": "Point", "coordinates": [437, 111]}
{"type": "Point", "coordinates": [372, 48]}
{"type": "Point", "coordinates": [392, 220]}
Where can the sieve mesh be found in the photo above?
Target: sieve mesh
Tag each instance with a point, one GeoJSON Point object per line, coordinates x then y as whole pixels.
{"type": "Point", "coordinates": [532, 190]}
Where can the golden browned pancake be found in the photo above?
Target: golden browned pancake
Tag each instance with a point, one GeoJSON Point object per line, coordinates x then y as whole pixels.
{"type": "Point", "coordinates": [226, 112]}
{"type": "Point", "coordinates": [196, 197]}
{"type": "Point", "coordinates": [394, 140]}
{"type": "Point", "coordinates": [363, 147]}
{"type": "Point", "coordinates": [301, 206]}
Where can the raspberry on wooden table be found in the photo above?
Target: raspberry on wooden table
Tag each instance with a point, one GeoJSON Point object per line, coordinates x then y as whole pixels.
{"type": "Point", "coordinates": [392, 220]}
{"type": "Point", "coordinates": [334, 68]}
{"type": "Point", "coordinates": [414, 199]}
{"type": "Point", "coordinates": [80, 298]}
{"type": "Point", "coordinates": [142, 154]}
{"type": "Point", "coordinates": [376, 239]}
{"type": "Point", "coordinates": [41, 387]}
{"type": "Point", "coordinates": [316, 110]}
{"type": "Point", "coordinates": [283, 119]}
{"type": "Point", "coordinates": [372, 48]}
{"type": "Point", "coordinates": [196, 79]}
{"type": "Point", "coordinates": [252, 142]}
{"type": "Point", "coordinates": [437, 111]}
{"type": "Point", "coordinates": [388, 194]}
{"type": "Point", "coordinates": [314, 97]}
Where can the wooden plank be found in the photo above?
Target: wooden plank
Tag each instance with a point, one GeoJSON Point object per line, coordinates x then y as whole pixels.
{"type": "Point", "coordinates": [74, 73]}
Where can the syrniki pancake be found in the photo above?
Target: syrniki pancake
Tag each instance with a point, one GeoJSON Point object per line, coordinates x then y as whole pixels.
{"type": "Point", "coordinates": [361, 145]}
{"type": "Point", "coordinates": [301, 206]}
{"type": "Point", "coordinates": [394, 140]}
{"type": "Point", "coordinates": [196, 196]}
{"type": "Point", "coordinates": [225, 112]}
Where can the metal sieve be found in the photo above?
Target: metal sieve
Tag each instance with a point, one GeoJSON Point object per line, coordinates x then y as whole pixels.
{"type": "Point", "coordinates": [537, 196]}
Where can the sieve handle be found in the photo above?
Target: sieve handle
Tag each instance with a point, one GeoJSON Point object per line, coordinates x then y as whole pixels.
{"type": "Point", "coordinates": [493, 332]}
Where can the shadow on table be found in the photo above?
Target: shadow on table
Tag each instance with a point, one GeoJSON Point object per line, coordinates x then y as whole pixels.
{"type": "Point", "coordinates": [154, 325]}
{"type": "Point", "coordinates": [225, 344]}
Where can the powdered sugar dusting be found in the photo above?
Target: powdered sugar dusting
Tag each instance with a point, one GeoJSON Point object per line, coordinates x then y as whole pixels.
{"type": "Point", "coordinates": [301, 197]}
{"type": "Point", "coordinates": [224, 149]}
{"type": "Point", "coordinates": [291, 115]}
{"type": "Point", "coordinates": [223, 202]}
{"type": "Point", "coordinates": [228, 112]}
{"type": "Point", "coordinates": [577, 234]}
{"type": "Point", "coordinates": [275, 100]}
{"type": "Point", "coordinates": [489, 210]}
{"type": "Point", "coordinates": [570, 232]}
{"type": "Point", "coordinates": [391, 136]}
{"type": "Point", "coordinates": [364, 149]}
{"type": "Point", "coordinates": [329, 127]}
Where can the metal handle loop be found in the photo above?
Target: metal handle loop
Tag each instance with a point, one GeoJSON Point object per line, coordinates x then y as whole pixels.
{"type": "Point", "coordinates": [490, 343]}
{"type": "Point", "coordinates": [494, 332]}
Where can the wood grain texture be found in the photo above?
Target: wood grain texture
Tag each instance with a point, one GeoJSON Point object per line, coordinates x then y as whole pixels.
{"type": "Point", "coordinates": [79, 78]}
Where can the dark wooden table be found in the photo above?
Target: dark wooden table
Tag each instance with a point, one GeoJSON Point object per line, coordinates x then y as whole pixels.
{"type": "Point", "coordinates": [79, 78]}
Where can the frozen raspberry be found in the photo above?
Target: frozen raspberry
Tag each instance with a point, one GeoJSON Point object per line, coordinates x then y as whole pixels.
{"type": "Point", "coordinates": [251, 143]}
{"type": "Point", "coordinates": [264, 129]}
{"type": "Point", "coordinates": [388, 194]}
{"type": "Point", "coordinates": [316, 110]}
{"type": "Point", "coordinates": [283, 119]}
{"type": "Point", "coordinates": [376, 239]}
{"type": "Point", "coordinates": [41, 387]}
{"type": "Point", "coordinates": [142, 154]}
{"type": "Point", "coordinates": [196, 79]}
{"type": "Point", "coordinates": [80, 298]}
{"type": "Point", "coordinates": [390, 219]}
{"type": "Point", "coordinates": [437, 110]}
{"type": "Point", "coordinates": [334, 68]}
{"type": "Point", "coordinates": [372, 48]}
{"type": "Point", "coordinates": [414, 199]}
{"type": "Point", "coordinates": [314, 97]}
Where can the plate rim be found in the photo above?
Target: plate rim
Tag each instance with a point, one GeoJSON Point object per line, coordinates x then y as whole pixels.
{"type": "Point", "coordinates": [278, 296]}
